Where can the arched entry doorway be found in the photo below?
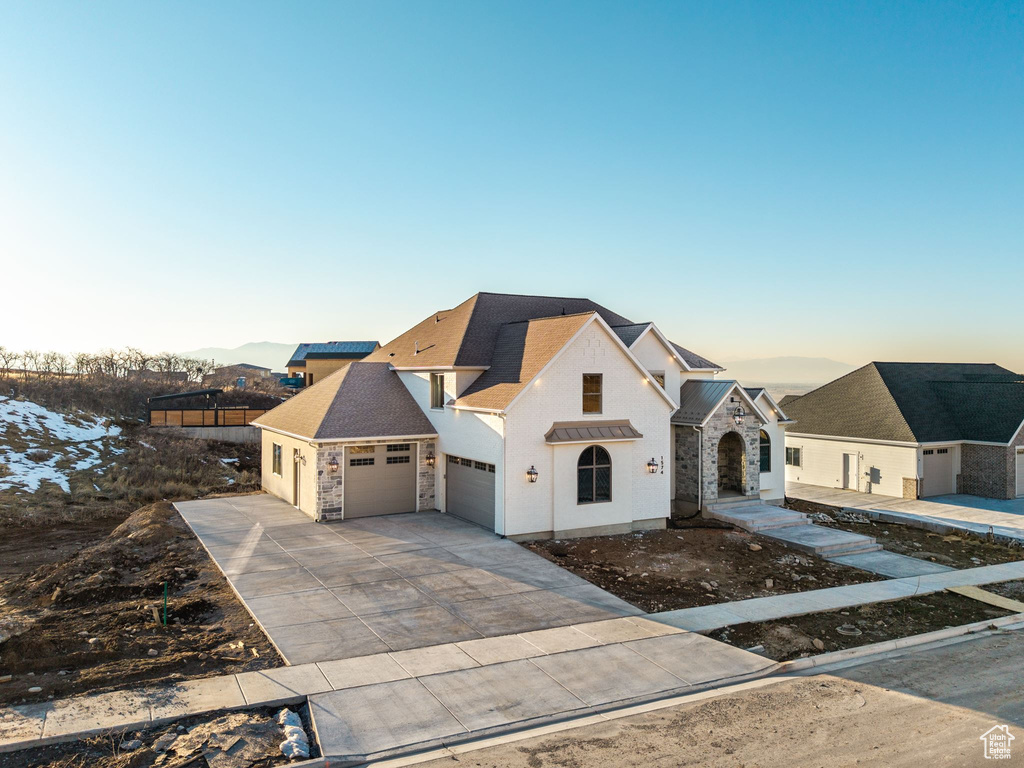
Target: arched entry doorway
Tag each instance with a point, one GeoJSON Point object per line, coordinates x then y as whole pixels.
{"type": "Point", "coordinates": [732, 465]}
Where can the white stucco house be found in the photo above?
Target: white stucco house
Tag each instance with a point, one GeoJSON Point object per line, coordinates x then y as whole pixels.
{"type": "Point", "coordinates": [532, 416]}
{"type": "Point", "coordinates": [912, 430]}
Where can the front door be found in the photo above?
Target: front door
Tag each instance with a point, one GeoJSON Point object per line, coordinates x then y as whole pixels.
{"type": "Point", "coordinates": [850, 471]}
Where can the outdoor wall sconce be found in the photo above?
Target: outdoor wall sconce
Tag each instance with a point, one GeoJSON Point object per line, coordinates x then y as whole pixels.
{"type": "Point", "coordinates": [531, 474]}
{"type": "Point", "coordinates": [431, 459]}
{"type": "Point", "coordinates": [332, 465]}
{"type": "Point", "coordinates": [652, 466]}
{"type": "Point", "coordinates": [738, 416]}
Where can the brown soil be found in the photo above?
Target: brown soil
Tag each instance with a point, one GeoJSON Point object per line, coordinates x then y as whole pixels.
{"type": "Point", "coordinates": [1011, 589]}
{"type": "Point", "coordinates": [186, 742]}
{"type": "Point", "coordinates": [794, 637]}
{"type": "Point", "coordinates": [80, 613]}
{"type": "Point", "coordinates": [955, 550]}
{"type": "Point", "coordinates": [670, 569]}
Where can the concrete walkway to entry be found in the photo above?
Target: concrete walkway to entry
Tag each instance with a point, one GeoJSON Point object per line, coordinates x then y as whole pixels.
{"type": "Point", "coordinates": [326, 591]}
{"type": "Point", "coordinates": [1003, 518]}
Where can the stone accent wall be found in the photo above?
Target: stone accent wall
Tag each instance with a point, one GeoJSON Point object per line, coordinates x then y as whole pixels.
{"type": "Point", "coordinates": [988, 470]}
{"type": "Point", "coordinates": [687, 463]}
{"type": "Point", "coordinates": [750, 432]}
{"type": "Point", "coordinates": [330, 490]}
{"type": "Point", "coordinates": [909, 487]}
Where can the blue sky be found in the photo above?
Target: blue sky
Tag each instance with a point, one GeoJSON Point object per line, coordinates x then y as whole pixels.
{"type": "Point", "coordinates": [834, 179]}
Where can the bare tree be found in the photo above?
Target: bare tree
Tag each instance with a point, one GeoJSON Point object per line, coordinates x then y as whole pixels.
{"type": "Point", "coordinates": [8, 357]}
{"type": "Point", "coordinates": [30, 361]}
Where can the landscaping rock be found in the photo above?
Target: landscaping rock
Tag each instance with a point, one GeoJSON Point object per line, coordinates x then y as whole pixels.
{"type": "Point", "coordinates": [131, 745]}
{"type": "Point", "coordinates": [153, 652]}
{"type": "Point", "coordinates": [817, 643]}
{"type": "Point", "coordinates": [754, 547]}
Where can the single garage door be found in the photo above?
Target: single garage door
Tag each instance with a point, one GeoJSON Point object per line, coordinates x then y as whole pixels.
{"type": "Point", "coordinates": [1020, 471]}
{"type": "Point", "coordinates": [469, 490]}
{"type": "Point", "coordinates": [938, 472]}
{"type": "Point", "coordinates": [380, 480]}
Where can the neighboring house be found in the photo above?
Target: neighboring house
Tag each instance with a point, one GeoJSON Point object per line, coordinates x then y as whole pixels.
{"type": "Point", "coordinates": [531, 416]}
{"type": "Point", "coordinates": [240, 369]}
{"type": "Point", "coordinates": [313, 362]}
{"type": "Point", "coordinates": [912, 430]}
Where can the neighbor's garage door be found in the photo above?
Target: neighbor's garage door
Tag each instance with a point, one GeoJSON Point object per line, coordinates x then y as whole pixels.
{"type": "Point", "coordinates": [469, 491]}
{"type": "Point", "coordinates": [1020, 471]}
{"type": "Point", "coordinates": [379, 480]}
{"type": "Point", "coordinates": [938, 472]}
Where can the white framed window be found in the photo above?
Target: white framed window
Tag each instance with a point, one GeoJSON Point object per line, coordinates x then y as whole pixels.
{"type": "Point", "coordinates": [437, 391]}
{"type": "Point", "coordinates": [276, 461]}
{"type": "Point", "coordinates": [794, 457]}
{"type": "Point", "coordinates": [659, 376]}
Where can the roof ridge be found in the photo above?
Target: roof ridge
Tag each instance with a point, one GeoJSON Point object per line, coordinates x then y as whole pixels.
{"type": "Point", "coordinates": [553, 317]}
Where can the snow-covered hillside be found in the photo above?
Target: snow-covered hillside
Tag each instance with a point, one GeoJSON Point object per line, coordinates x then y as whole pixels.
{"type": "Point", "coordinates": [38, 445]}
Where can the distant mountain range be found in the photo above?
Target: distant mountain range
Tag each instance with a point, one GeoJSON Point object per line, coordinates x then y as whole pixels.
{"type": "Point", "coordinates": [268, 354]}
{"type": "Point", "coordinates": [809, 371]}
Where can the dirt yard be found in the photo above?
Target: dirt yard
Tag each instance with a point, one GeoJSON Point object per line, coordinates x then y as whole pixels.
{"type": "Point", "coordinates": [794, 637]}
{"type": "Point", "coordinates": [249, 739]}
{"type": "Point", "coordinates": [954, 550]}
{"type": "Point", "coordinates": [683, 568]}
{"type": "Point", "coordinates": [77, 609]}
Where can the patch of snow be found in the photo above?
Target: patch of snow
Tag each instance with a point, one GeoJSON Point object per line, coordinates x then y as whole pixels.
{"type": "Point", "coordinates": [146, 445]}
{"type": "Point", "coordinates": [229, 461]}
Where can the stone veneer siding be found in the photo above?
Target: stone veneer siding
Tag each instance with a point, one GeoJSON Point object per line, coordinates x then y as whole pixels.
{"type": "Point", "coordinates": [989, 470]}
{"type": "Point", "coordinates": [909, 487]}
{"type": "Point", "coordinates": [330, 491]}
{"type": "Point", "coordinates": [687, 463]}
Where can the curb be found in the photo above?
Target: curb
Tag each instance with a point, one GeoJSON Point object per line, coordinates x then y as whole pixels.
{"type": "Point", "coordinates": [901, 643]}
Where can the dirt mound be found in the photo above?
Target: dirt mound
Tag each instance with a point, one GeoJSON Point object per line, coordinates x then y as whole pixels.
{"type": "Point", "coordinates": [141, 540]}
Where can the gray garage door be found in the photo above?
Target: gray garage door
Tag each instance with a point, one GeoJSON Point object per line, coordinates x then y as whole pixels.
{"type": "Point", "coordinates": [469, 490]}
{"type": "Point", "coordinates": [938, 472]}
{"type": "Point", "coordinates": [380, 480]}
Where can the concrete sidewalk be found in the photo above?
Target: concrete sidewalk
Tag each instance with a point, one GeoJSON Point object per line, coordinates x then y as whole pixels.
{"type": "Point", "coordinates": [389, 701]}
{"type": "Point", "coordinates": [710, 617]}
{"type": "Point", "coordinates": [1003, 518]}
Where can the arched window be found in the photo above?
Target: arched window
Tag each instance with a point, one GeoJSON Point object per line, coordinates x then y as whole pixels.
{"type": "Point", "coordinates": [766, 452]}
{"type": "Point", "coordinates": [594, 476]}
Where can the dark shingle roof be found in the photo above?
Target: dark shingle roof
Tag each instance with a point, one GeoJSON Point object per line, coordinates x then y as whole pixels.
{"type": "Point", "coordinates": [361, 400]}
{"type": "Point", "coordinates": [630, 333]}
{"type": "Point", "coordinates": [694, 360]}
{"type": "Point", "coordinates": [915, 402]}
{"type": "Point", "coordinates": [521, 351]}
{"type": "Point", "coordinates": [333, 350]}
{"type": "Point", "coordinates": [467, 334]}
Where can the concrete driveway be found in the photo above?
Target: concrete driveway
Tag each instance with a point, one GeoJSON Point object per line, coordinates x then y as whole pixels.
{"type": "Point", "coordinates": [325, 591]}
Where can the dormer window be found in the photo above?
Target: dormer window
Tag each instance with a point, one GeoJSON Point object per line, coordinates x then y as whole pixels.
{"type": "Point", "coordinates": [592, 393]}
{"type": "Point", "coordinates": [659, 376]}
{"type": "Point", "coordinates": [437, 391]}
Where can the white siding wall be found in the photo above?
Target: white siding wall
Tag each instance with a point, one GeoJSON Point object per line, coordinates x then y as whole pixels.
{"type": "Point", "coordinates": [550, 503]}
{"type": "Point", "coordinates": [461, 433]}
{"type": "Point", "coordinates": [282, 485]}
{"type": "Point", "coordinates": [823, 464]}
{"type": "Point", "coordinates": [654, 357]}
{"type": "Point", "coordinates": [773, 484]}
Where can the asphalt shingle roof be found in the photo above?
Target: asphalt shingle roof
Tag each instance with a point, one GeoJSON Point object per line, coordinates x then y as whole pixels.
{"type": "Point", "coordinates": [361, 400]}
{"type": "Point", "coordinates": [915, 402]}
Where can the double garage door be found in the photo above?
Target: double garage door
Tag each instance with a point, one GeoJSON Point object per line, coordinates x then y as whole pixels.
{"type": "Point", "coordinates": [380, 480]}
{"type": "Point", "coordinates": [469, 490]}
{"type": "Point", "coordinates": [938, 472]}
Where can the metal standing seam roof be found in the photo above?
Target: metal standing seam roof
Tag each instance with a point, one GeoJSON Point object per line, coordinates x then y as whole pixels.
{"type": "Point", "coordinates": [597, 430]}
{"type": "Point", "coordinates": [329, 349]}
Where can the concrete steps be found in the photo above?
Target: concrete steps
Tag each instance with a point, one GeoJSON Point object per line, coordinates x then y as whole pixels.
{"type": "Point", "coordinates": [793, 529]}
{"type": "Point", "coordinates": [734, 502]}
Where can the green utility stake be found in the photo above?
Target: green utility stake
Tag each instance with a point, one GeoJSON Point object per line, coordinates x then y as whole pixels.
{"type": "Point", "coordinates": [165, 603]}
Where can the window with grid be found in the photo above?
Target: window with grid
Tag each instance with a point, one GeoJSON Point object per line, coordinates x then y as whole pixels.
{"type": "Point", "coordinates": [437, 390]}
{"type": "Point", "coordinates": [362, 449]}
{"type": "Point", "coordinates": [393, 447]}
{"type": "Point", "coordinates": [360, 462]}
{"type": "Point", "coordinates": [593, 476]}
{"type": "Point", "coordinates": [277, 459]}
{"type": "Point", "coordinates": [398, 459]}
{"type": "Point", "coordinates": [766, 452]}
{"type": "Point", "coordinates": [591, 392]}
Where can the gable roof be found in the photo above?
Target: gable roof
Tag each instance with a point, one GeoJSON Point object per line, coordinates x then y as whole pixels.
{"type": "Point", "coordinates": [916, 403]}
{"type": "Point", "coordinates": [699, 398]}
{"type": "Point", "coordinates": [632, 333]}
{"type": "Point", "coordinates": [467, 334]}
{"type": "Point", "coordinates": [521, 352]}
{"type": "Point", "coordinates": [695, 361]}
{"type": "Point", "coordinates": [332, 350]}
{"type": "Point", "coordinates": [361, 400]}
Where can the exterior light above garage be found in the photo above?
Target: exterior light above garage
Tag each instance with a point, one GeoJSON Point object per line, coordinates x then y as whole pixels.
{"type": "Point", "coordinates": [738, 416]}
{"type": "Point", "coordinates": [431, 459]}
{"type": "Point", "coordinates": [652, 466]}
{"type": "Point", "coordinates": [332, 465]}
{"type": "Point", "coordinates": [531, 474]}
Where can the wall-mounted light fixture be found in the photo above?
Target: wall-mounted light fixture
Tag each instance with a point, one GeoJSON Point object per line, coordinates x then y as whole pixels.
{"type": "Point", "coordinates": [332, 465]}
{"type": "Point", "coordinates": [531, 474]}
{"type": "Point", "coordinates": [738, 416]}
{"type": "Point", "coordinates": [431, 459]}
{"type": "Point", "coordinates": [652, 466]}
